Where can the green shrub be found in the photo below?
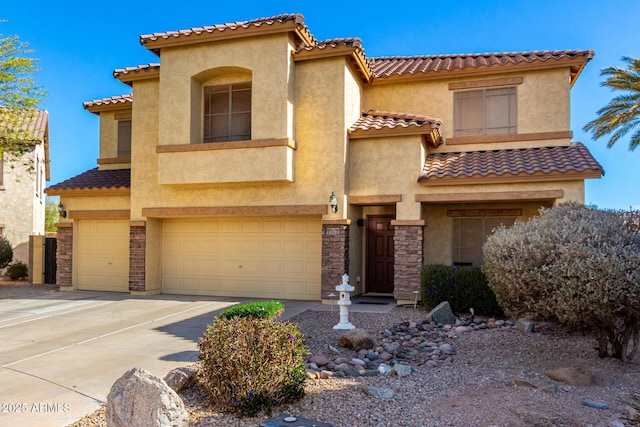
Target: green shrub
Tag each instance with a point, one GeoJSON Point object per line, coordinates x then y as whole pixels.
{"type": "Point", "coordinates": [255, 310]}
{"type": "Point", "coordinates": [18, 271]}
{"type": "Point", "coordinates": [251, 364]}
{"type": "Point", "coordinates": [574, 264]}
{"type": "Point", "coordinates": [464, 288]}
{"type": "Point", "coordinates": [6, 252]}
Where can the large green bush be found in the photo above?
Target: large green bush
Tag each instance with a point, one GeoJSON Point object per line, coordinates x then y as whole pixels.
{"type": "Point", "coordinates": [256, 310]}
{"type": "Point", "coordinates": [463, 287]}
{"type": "Point", "coordinates": [6, 252]}
{"type": "Point", "coordinates": [575, 264]}
{"type": "Point", "coordinates": [251, 364]}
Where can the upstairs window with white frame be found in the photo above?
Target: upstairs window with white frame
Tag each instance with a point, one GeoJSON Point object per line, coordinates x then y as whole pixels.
{"type": "Point", "coordinates": [485, 112]}
{"type": "Point", "coordinates": [227, 112]}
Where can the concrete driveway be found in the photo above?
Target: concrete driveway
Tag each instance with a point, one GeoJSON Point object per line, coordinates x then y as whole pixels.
{"type": "Point", "coordinates": [61, 352]}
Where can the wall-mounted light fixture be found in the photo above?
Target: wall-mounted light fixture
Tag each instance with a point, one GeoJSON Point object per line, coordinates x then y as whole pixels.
{"type": "Point", "coordinates": [333, 202]}
{"type": "Point", "coordinates": [61, 211]}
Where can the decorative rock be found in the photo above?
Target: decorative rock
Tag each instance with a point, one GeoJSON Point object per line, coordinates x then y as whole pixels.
{"type": "Point", "coordinates": [442, 314]}
{"type": "Point", "coordinates": [525, 326]}
{"type": "Point", "coordinates": [319, 360]}
{"type": "Point", "coordinates": [574, 376]}
{"type": "Point", "coordinates": [378, 392]}
{"type": "Point", "coordinates": [401, 370]}
{"type": "Point", "coordinates": [325, 375]}
{"type": "Point", "coordinates": [594, 404]}
{"type": "Point", "coordinates": [140, 399]}
{"type": "Point", "coordinates": [333, 349]}
{"type": "Point", "coordinates": [352, 371]}
{"type": "Point", "coordinates": [180, 378]}
{"type": "Point", "coordinates": [357, 339]}
{"type": "Point", "coordinates": [358, 362]}
{"type": "Point", "coordinates": [447, 348]}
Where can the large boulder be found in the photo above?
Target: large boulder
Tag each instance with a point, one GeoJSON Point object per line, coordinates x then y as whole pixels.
{"type": "Point", "coordinates": [442, 314]}
{"type": "Point", "coordinates": [140, 399]}
{"type": "Point", "coordinates": [180, 378]}
{"type": "Point", "coordinates": [357, 339]}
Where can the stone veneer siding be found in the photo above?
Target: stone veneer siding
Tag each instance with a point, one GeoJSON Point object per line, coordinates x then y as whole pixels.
{"type": "Point", "coordinates": [335, 256]}
{"type": "Point", "coordinates": [64, 254]}
{"type": "Point", "coordinates": [408, 259]}
{"type": "Point", "coordinates": [137, 256]}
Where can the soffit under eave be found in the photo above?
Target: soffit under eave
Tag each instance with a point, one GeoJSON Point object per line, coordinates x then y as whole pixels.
{"type": "Point", "coordinates": [299, 30]}
{"type": "Point", "coordinates": [428, 134]}
{"type": "Point", "coordinates": [508, 178]}
{"type": "Point", "coordinates": [81, 192]}
{"type": "Point", "coordinates": [97, 109]}
{"type": "Point", "coordinates": [132, 76]}
{"type": "Point", "coordinates": [575, 65]}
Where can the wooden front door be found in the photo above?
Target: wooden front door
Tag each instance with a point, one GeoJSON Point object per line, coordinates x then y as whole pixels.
{"type": "Point", "coordinates": [379, 254]}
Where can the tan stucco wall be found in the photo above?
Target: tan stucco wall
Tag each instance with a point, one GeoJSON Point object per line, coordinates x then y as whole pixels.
{"type": "Point", "coordinates": [543, 100]}
{"type": "Point", "coordinates": [185, 69]}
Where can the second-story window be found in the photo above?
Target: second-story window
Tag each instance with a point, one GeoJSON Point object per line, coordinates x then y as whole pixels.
{"type": "Point", "coordinates": [227, 112]}
{"type": "Point", "coordinates": [485, 112]}
{"type": "Point", "coordinates": [124, 138]}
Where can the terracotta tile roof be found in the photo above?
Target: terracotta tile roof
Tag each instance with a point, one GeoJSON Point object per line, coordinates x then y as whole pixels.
{"type": "Point", "coordinates": [32, 124]}
{"type": "Point", "coordinates": [295, 18]}
{"type": "Point", "coordinates": [96, 179]}
{"type": "Point", "coordinates": [401, 65]}
{"type": "Point", "coordinates": [347, 41]}
{"type": "Point", "coordinates": [137, 69]}
{"type": "Point", "coordinates": [374, 119]}
{"type": "Point", "coordinates": [513, 162]}
{"type": "Point", "coordinates": [114, 100]}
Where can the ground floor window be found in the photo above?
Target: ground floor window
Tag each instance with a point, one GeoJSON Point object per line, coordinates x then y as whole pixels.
{"type": "Point", "coordinates": [470, 234]}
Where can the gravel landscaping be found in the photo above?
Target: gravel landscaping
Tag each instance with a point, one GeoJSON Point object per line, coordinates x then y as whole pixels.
{"type": "Point", "coordinates": [495, 378]}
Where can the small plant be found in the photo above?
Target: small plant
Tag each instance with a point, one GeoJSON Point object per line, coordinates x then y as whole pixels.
{"type": "Point", "coordinates": [255, 310]}
{"type": "Point", "coordinates": [251, 364]}
{"type": "Point", "coordinates": [463, 287]}
{"type": "Point", "coordinates": [18, 271]}
{"type": "Point", "coordinates": [6, 252]}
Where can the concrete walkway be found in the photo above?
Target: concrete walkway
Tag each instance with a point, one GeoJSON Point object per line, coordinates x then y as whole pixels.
{"type": "Point", "coordinates": [61, 352]}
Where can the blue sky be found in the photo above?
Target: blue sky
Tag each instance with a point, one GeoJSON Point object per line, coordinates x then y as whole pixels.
{"type": "Point", "coordinates": [79, 45]}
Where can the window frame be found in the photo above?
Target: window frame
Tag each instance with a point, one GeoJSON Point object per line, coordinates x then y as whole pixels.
{"type": "Point", "coordinates": [456, 247]}
{"type": "Point", "coordinates": [233, 114]}
{"type": "Point", "coordinates": [486, 94]}
{"type": "Point", "coordinates": [124, 143]}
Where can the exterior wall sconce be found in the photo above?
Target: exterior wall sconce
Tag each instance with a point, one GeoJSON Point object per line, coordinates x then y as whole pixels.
{"type": "Point", "coordinates": [61, 211]}
{"type": "Point", "coordinates": [333, 202]}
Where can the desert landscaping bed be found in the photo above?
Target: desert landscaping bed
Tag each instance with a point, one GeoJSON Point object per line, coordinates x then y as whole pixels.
{"type": "Point", "coordinates": [495, 378]}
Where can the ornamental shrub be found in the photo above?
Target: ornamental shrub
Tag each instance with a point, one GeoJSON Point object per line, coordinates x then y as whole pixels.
{"type": "Point", "coordinates": [464, 287]}
{"type": "Point", "coordinates": [251, 364]}
{"type": "Point", "coordinates": [256, 310]}
{"type": "Point", "coordinates": [18, 271]}
{"type": "Point", "coordinates": [6, 252]}
{"type": "Point", "coordinates": [574, 264]}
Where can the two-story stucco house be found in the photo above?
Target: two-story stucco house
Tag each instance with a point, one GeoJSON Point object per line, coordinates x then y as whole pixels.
{"type": "Point", "coordinates": [22, 183]}
{"type": "Point", "coordinates": [254, 160]}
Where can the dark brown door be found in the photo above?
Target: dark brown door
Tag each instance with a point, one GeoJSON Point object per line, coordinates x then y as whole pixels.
{"type": "Point", "coordinates": [379, 254]}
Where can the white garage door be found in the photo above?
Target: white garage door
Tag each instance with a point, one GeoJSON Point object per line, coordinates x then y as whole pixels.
{"type": "Point", "coordinates": [102, 256]}
{"type": "Point", "coordinates": [264, 257]}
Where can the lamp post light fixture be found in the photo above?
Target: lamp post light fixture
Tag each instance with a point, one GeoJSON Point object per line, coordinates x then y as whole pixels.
{"type": "Point", "coordinates": [333, 202]}
{"type": "Point", "coordinates": [61, 211]}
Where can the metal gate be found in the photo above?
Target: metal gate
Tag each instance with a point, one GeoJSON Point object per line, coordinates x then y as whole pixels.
{"type": "Point", "coordinates": [50, 246]}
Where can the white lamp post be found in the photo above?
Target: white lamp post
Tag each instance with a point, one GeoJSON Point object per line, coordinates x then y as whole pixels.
{"type": "Point", "coordinates": [344, 302]}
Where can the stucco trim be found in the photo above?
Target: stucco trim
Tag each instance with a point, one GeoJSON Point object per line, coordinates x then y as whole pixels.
{"type": "Point", "coordinates": [475, 213]}
{"type": "Point", "coordinates": [64, 225]}
{"type": "Point", "coordinates": [100, 214]}
{"type": "Point", "coordinates": [408, 222]}
{"type": "Point", "coordinates": [336, 222]}
{"type": "Point", "coordinates": [253, 143]}
{"type": "Point", "coordinates": [376, 200]}
{"type": "Point", "coordinates": [523, 177]}
{"type": "Point", "coordinates": [489, 196]}
{"type": "Point", "coordinates": [137, 223]}
{"type": "Point", "coordinates": [113, 160]}
{"type": "Point", "coordinates": [89, 192]}
{"type": "Point", "coordinates": [285, 210]}
{"type": "Point", "coordinates": [473, 84]}
{"type": "Point", "coordinates": [509, 137]}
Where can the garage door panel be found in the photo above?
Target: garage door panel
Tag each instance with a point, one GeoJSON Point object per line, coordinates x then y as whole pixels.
{"type": "Point", "coordinates": [268, 257]}
{"type": "Point", "coordinates": [102, 255]}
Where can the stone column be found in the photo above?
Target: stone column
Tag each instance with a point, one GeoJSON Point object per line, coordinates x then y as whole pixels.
{"type": "Point", "coordinates": [408, 243]}
{"type": "Point", "coordinates": [64, 255]}
{"type": "Point", "coordinates": [137, 255]}
{"type": "Point", "coordinates": [335, 254]}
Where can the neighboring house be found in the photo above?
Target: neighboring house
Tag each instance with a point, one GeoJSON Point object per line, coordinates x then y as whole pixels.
{"type": "Point", "coordinates": [22, 182]}
{"type": "Point", "coordinates": [215, 175]}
